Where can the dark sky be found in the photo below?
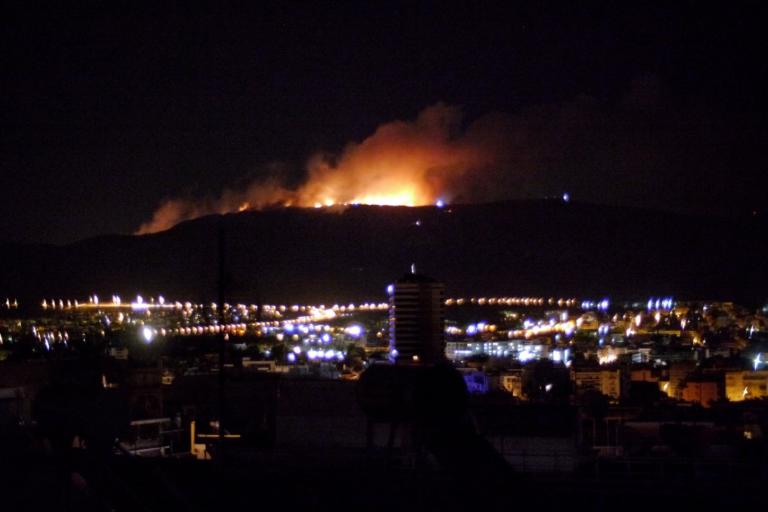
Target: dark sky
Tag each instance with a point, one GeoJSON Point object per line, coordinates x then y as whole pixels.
{"type": "Point", "coordinates": [107, 109]}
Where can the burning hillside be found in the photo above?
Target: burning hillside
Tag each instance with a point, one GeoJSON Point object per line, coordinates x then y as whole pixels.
{"type": "Point", "coordinates": [408, 163]}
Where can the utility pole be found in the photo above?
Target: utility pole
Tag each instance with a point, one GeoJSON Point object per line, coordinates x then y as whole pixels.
{"type": "Point", "coordinates": [223, 336]}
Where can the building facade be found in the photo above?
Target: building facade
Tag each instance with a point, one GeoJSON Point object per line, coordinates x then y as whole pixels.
{"type": "Point", "coordinates": [746, 384]}
{"type": "Point", "coordinates": [606, 381]}
{"type": "Point", "coordinates": [416, 319]}
{"type": "Point", "coordinates": [702, 392]}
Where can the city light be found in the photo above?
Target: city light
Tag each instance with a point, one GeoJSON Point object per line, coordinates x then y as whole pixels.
{"type": "Point", "coordinates": [514, 327]}
{"type": "Point", "coordinates": [354, 330]}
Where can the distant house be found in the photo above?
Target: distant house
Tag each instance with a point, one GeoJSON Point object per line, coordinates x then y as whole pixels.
{"type": "Point", "coordinates": [511, 381]}
{"type": "Point", "coordinates": [746, 384]}
{"type": "Point", "coordinates": [605, 380]}
{"type": "Point", "coordinates": [703, 391]}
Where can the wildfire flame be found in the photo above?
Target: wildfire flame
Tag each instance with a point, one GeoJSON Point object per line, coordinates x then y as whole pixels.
{"type": "Point", "coordinates": [408, 163]}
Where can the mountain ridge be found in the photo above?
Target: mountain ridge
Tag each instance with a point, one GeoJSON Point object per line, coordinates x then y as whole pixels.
{"type": "Point", "coordinates": [286, 255]}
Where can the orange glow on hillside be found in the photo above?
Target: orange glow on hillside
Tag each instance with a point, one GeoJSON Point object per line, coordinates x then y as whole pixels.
{"type": "Point", "coordinates": [403, 163]}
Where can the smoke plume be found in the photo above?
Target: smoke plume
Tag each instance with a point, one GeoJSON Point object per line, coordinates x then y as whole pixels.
{"type": "Point", "coordinates": [645, 148]}
{"type": "Point", "coordinates": [408, 163]}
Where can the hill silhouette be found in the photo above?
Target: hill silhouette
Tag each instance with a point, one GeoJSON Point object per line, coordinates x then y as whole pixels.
{"type": "Point", "coordinates": [291, 255]}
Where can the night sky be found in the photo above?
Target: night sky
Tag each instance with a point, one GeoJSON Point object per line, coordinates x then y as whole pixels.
{"type": "Point", "coordinates": [108, 110]}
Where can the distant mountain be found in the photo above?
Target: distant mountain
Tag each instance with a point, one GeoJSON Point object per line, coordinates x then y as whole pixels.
{"type": "Point", "coordinates": [548, 248]}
